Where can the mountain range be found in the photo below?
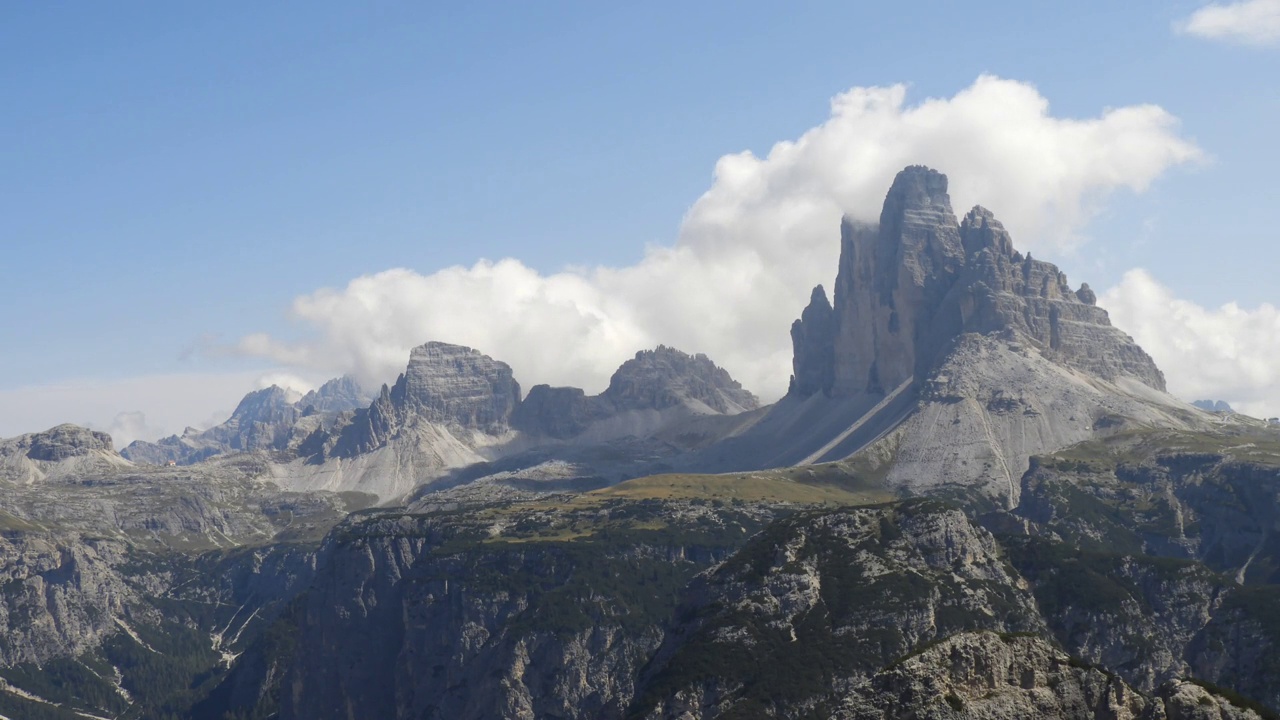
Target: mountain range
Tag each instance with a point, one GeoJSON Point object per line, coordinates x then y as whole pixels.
{"type": "Point", "coordinates": [977, 499]}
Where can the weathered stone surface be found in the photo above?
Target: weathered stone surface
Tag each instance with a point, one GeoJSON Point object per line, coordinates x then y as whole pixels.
{"type": "Point", "coordinates": [826, 599]}
{"type": "Point", "coordinates": [665, 377]}
{"type": "Point", "coordinates": [910, 285]}
{"type": "Point", "coordinates": [990, 676]}
{"type": "Point", "coordinates": [954, 358]}
{"type": "Point", "coordinates": [62, 442]}
{"type": "Point", "coordinates": [660, 380]}
{"type": "Point", "coordinates": [457, 386]}
{"type": "Point", "coordinates": [560, 412]}
{"type": "Point", "coordinates": [336, 395]}
{"type": "Point", "coordinates": [813, 338]}
{"type": "Point", "coordinates": [891, 283]}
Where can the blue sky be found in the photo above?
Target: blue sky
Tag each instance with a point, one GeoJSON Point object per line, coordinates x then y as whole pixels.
{"type": "Point", "coordinates": [175, 175]}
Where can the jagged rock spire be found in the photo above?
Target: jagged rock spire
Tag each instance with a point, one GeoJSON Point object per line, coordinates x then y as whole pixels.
{"type": "Point", "coordinates": [908, 286]}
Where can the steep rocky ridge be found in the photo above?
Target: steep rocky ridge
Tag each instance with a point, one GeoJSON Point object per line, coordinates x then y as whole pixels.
{"type": "Point", "coordinates": [989, 675]}
{"type": "Point", "coordinates": [542, 611]}
{"type": "Point", "coordinates": [62, 451]}
{"type": "Point", "coordinates": [951, 357]}
{"type": "Point", "coordinates": [826, 599]}
{"type": "Point", "coordinates": [1153, 554]}
{"type": "Point", "coordinates": [653, 389]}
{"type": "Point", "coordinates": [123, 588]}
{"type": "Point", "coordinates": [909, 285]}
{"type": "Point", "coordinates": [457, 416]}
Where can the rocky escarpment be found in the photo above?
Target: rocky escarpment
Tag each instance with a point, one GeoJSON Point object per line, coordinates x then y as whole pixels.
{"type": "Point", "coordinates": [61, 443]}
{"type": "Point", "coordinates": [125, 587]}
{"type": "Point", "coordinates": [449, 386]}
{"type": "Point", "coordinates": [521, 613]}
{"type": "Point", "coordinates": [825, 599]}
{"type": "Point", "coordinates": [336, 395]}
{"type": "Point", "coordinates": [951, 358]}
{"type": "Point", "coordinates": [654, 380]}
{"type": "Point", "coordinates": [60, 451]}
{"type": "Point", "coordinates": [990, 675]}
{"type": "Point", "coordinates": [909, 285]}
{"type": "Point", "coordinates": [1153, 554]}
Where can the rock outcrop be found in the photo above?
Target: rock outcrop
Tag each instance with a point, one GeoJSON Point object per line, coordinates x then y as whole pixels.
{"type": "Point", "coordinates": [663, 379]}
{"type": "Point", "coordinates": [910, 285]}
{"type": "Point", "coordinates": [825, 599]}
{"type": "Point", "coordinates": [1213, 405]}
{"type": "Point", "coordinates": [62, 450]}
{"type": "Point", "coordinates": [949, 358]}
{"type": "Point", "coordinates": [336, 395]}
{"type": "Point", "coordinates": [452, 387]}
{"type": "Point", "coordinates": [988, 675]}
{"type": "Point", "coordinates": [60, 443]}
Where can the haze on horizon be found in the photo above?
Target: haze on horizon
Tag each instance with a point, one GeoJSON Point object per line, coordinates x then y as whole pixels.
{"type": "Point", "coordinates": [202, 201]}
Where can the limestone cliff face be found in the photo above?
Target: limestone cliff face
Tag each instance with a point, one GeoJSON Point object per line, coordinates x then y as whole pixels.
{"type": "Point", "coordinates": [659, 380]}
{"type": "Point", "coordinates": [910, 285]}
{"type": "Point", "coordinates": [447, 386]}
{"type": "Point", "coordinates": [824, 600]}
{"type": "Point", "coordinates": [471, 616]}
{"type": "Point", "coordinates": [457, 386]}
{"type": "Point", "coordinates": [813, 337]}
{"type": "Point", "coordinates": [891, 283]}
{"type": "Point", "coordinates": [986, 675]}
{"type": "Point", "coordinates": [954, 357]}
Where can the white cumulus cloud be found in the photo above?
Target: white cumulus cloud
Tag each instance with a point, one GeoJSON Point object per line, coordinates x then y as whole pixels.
{"type": "Point", "coordinates": [752, 247]}
{"type": "Point", "coordinates": [1227, 353]}
{"type": "Point", "coordinates": [1252, 22]}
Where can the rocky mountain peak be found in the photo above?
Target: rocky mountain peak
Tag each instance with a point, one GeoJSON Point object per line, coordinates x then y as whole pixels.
{"type": "Point", "coordinates": [660, 379]}
{"type": "Point", "coordinates": [666, 377]}
{"type": "Point", "coordinates": [336, 395]}
{"type": "Point", "coordinates": [812, 337]}
{"type": "Point", "coordinates": [980, 231]}
{"type": "Point", "coordinates": [269, 405]}
{"type": "Point", "coordinates": [909, 286]}
{"type": "Point", "coordinates": [456, 385]}
{"type": "Point", "coordinates": [62, 442]}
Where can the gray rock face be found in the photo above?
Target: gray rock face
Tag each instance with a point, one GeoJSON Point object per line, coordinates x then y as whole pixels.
{"type": "Point", "coordinates": [986, 675]}
{"type": "Point", "coordinates": [813, 337]}
{"type": "Point", "coordinates": [61, 443]}
{"type": "Point", "coordinates": [825, 599]}
{"type": "Point", "coordinates": [410, 617]}
{"type": "Point", "coordinates": [654, 380]}
{"type": "Point", "coordinates": [560, 412]}
{"type": "Point", "coordinates": [890, 285]}
{"type": "Point", "coordinates": [665, 377]}
{"type": "Point", "coordinates": [457, 386]}
{"type": "Point", "coordinates": [336, 395]}
{"type": "Point", "coordinates": [450, 386]}
{"type": "Point", "coordinates": [909, 286]}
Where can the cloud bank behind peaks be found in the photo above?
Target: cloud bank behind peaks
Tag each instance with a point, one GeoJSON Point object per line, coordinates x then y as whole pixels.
{"type": "Point", "coordinates": [1228, 353]}
{"type": "Point", "coordinates": [1253, 22]}
{"type": "Point", "coordinates": [752, 247]}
